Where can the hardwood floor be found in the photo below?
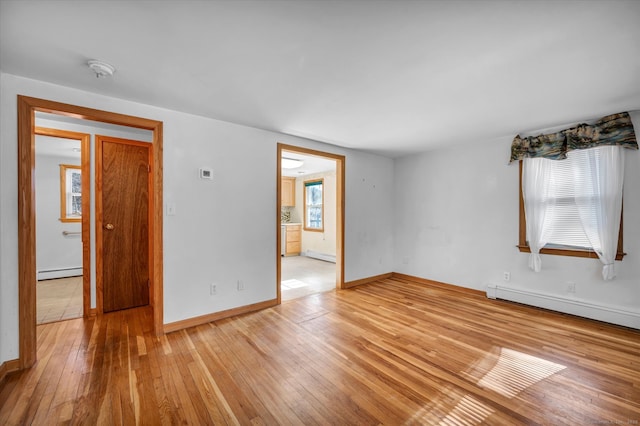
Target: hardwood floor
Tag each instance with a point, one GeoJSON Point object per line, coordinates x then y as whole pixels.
{"type": "Point", "coordinates": [391, 352]}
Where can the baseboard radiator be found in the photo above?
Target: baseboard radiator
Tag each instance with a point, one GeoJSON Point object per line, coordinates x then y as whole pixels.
{"type": "Point", "coordinates": [574, 306]}
{"type": "Point", "coordinates": [50, 274]}
{"type": "Point", "coordinates": [321, 256]}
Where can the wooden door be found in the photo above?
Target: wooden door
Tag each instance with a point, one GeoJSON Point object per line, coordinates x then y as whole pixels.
{"type": "Point", "coordinates": [123, 169]}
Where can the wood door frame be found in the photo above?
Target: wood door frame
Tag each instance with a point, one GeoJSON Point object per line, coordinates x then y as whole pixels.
{"type": "Point", "coordinates": [27, 107]}
{"type": "Point", "coordinates": [85, 167]}
{"type": "Point", "coordinates": [340, 203]}
{"type": "Point", "coordinates": [99, 139]}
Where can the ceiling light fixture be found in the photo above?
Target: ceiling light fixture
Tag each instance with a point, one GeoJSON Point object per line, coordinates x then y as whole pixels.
{"type": "Point", "coordinates": [291, 163]}
{"type": "Point", "coordinates": [102, 69]}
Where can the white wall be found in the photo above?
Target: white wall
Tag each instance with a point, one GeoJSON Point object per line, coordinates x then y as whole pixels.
{"type": "Point", "coordinates": [224, 230]}
{"type": "Point", "coordinates": [370, 216]}
{"type": "Point", "coordinates": [457, 222]}
{"type": "Point", "coordinates": [53, 249]}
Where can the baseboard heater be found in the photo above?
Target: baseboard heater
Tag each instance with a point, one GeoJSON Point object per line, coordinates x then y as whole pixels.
{"type": "Point", "coordinates": [574, 306]}
{"type": "Point", "coordinates": [321, 256]}
{"type": "Point", "coordinates": [50, 274]}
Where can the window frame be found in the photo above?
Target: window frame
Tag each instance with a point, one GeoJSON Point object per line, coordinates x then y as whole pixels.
{"type": "Point", "coordinates": [306, 184]}
{"type": "Point", "coordinates": [64, 194]}
{"type": "Point", "coordinates": [523, 244]}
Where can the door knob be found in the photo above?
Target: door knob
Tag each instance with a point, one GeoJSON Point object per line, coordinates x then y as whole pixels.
{"type": "Point", "coordinates": [109, 226]}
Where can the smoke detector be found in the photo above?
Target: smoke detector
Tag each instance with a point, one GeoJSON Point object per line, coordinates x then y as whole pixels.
{"type": "Point", "coordinates": [102, 69]}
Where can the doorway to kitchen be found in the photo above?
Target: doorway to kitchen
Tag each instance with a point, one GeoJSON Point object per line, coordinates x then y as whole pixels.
{"type": "Point", "coordinates": [310, 222]}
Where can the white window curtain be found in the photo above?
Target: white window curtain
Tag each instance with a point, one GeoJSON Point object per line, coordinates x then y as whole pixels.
{"type": "Point", "coordinates": [575, 202]}
{"type": "Point", "coordinates": [538, 197]}
{"type": "Point", "coordinates": [600, 202]}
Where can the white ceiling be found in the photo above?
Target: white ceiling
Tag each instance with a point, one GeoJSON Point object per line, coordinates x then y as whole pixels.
{"type": "Point", "coordinates": [311, 164]}
{"type": "Point", "coordinates": [392, 77]}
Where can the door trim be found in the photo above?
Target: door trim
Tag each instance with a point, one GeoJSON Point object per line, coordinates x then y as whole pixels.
{"type": "Point", "coordinates": [340, 202]}
{"type": "Point", "coordinates": [99, 139]}
{"type": "Point", "coordinates": [85, 167]}
{"type": "Point", "coordinates": [27, 107]}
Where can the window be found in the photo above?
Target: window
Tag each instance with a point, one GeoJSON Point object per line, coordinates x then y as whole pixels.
{"type": "Point", "coordinates": [70, 193]}
{"type": "Point", "coordinates": [313, 209]}
{"type": "Point", "coordinates": [567, 206]}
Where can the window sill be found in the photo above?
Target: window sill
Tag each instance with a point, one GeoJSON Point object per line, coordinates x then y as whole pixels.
{"type": "Point", "coordinates": [566, 252]}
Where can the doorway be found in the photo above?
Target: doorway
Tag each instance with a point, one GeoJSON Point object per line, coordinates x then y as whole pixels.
{"type": "Point", "coordinates": [27, 108]}
{"type": "Point", "coordinates": [310, 203]}
{"type": "Point", "coordinates": [63, 192]}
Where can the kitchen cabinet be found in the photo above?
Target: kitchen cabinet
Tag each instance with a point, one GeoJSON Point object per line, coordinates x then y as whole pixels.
{"type": "Point", "coordinates": [293, 240]}
{"type": "Point", "coordinates": [288, 191]}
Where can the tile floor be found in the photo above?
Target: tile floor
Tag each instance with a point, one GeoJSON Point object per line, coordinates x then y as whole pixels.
{"type": "Point", "coordinates": [58, 299]}
{"type": "Point", "coordinates": [302, 276]}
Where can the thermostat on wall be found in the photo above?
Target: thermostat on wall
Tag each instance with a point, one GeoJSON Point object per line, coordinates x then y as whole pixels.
{"type": "Point", "coordinates": [206, 173]}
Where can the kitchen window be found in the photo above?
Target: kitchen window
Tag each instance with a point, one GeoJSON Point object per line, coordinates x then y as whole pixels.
{"type": "Point", "coordinates": [313, 205]}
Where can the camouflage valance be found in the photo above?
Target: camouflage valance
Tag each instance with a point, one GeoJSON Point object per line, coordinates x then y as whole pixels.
{"type": "Point", "coordinates": [615, 129]}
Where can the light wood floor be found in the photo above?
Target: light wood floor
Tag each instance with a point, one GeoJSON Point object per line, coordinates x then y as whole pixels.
{"type": "Point", "coordinates": [58, 299]}
{"type": "Point", "coordinates": [392, 352]}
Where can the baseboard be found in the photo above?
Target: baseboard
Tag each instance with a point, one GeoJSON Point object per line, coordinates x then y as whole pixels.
{"type": "Point", "coordinates": [350, 284]}
{"type": "Point", "coordinates": [573, 306]}
{"type": "Point", "coordinates": [320, 256]}
{"type": "Point", "coordinates": [8, 367]}
{"type": "Point", "coordinates": [445, 286]}
{"type": "Point", "coordinates": [203, 319]}
{"type": "Point", "coordinates": [50, 274]}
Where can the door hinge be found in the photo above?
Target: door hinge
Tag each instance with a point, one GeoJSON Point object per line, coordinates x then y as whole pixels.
{"type": "Point", "coordinates": [149, 168]}
{"type": "Point", "coordinates": [148, 283]}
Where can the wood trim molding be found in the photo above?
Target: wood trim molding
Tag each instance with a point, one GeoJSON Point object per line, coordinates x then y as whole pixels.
{"type": "Point", "coordinates": [216, 316]}
{"type": "Point", "coordinates": [431, 283]}
{"type": "Point", "coordinates": [27, 107]}
{"type": "Point", "coordinates": [26, 234]}
{"type": "Point", "coordinates": [575, 253]}
{"type": "Point", "coordinates": [8, 367]}
{"type": "Point", "coordinates": [354, 283]}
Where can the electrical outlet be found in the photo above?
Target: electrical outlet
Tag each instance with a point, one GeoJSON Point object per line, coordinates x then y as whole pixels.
{"type": "Point", "coordinates": [213, 289]}
{"type": "Point", "coordinates": [571, 287]}
{"type": "Point", "coordinates": [240, 285]}
{"type": "Point", "coordinates": [506, 276]}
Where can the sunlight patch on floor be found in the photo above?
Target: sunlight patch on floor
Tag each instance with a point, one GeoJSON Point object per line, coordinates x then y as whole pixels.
{"type": "Point", "coordinates": [515, 371]}
{"type": "Point", "coordinates": [453, 407]}
{"type": "Point", "coordinates": [293, 283]}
